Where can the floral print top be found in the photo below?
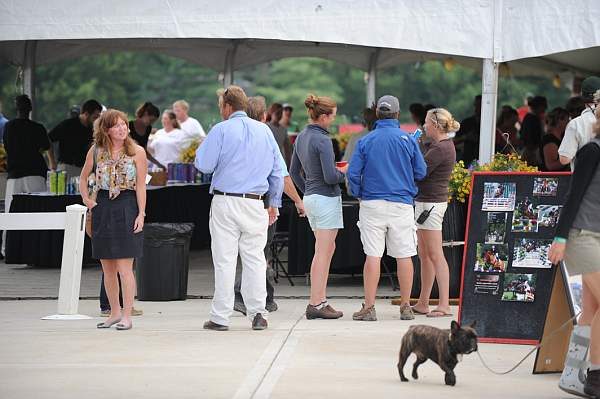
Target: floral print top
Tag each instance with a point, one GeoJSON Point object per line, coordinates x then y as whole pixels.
{"type": "Point", "coordinates": [115, 175]}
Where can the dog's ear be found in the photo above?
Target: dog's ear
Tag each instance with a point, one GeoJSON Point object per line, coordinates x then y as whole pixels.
{"type": "Point", "coordinates": [473, 324]}
{"type": "Point", "coordinates": [454, 327]}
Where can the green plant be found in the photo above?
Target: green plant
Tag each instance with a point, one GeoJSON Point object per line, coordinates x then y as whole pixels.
{"type": "Point", "coordinates": [460, 179]}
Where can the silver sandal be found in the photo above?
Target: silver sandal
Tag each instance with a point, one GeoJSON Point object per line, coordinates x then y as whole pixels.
{"type": "Point", "coordinates": [123, 327]}
{"type": "Point", "coordinates": [104, 325]}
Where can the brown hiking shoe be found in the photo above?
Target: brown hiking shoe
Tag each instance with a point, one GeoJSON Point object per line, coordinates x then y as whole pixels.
{"type": "Point", "coordinates": [331, 309]}
{"type": "Point", "coordinates": [259, 322]}
{"type": "Point", "coordinates": [406, 313]}
{"type": "Point", "coordinates": [365, 314]}
{"type": "Point", "coordinates": [326, 312]}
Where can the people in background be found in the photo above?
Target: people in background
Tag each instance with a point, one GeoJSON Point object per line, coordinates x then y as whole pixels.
{"type": "Point", "coordinates": [120, 189]}
{"type": "Point", "coordinates": [430, 208]}
{"type": "Point", "coordinates": [368, 122]}
{"type": "Point", "coordinates": [140, 129]}
{"type": "Point", "coordinates": [417, 114]}
{"type": "Point", "coordinates": [313, 170]}
{"type": "Point", "coordinates": [382, 173]}
{"type": "Point", "coordinates": [25, 141]}
{"type": "Point", "coordinates": [369, 119]}
{"type": "Point", "coordinates": [257, 110]}
{"type": "Point", "coordinates": [577, 241]}
{"type": "Point", "coordinates": [556, 122]}
{"type": "Point", "coordinates": [3, 121]}
{"type": "Point", "coordinates": [74, 111]}
{"type": "Point", "coordinates": [524, 109]}
{"type": "Point", "coordinates": [579, 131]}
{"type": "Point", "coordinates": [280, 132]}
{"type": "Point", "coordinates": [507, 124]}
{"type": "Point", "coordinates": [575, 106]}
{"type": "Point", "coordinates": [192, 128]}
{"type": "Point", "coordinates": [532, 131]}
{"type": "Point", "coordinates": [286, 118]}
{"type": "Point", "coordinates": [246, 165]}
{"type": "Point", "coordinates": [467, 138]}
{"type": "Point", "coordinates": [167, 144]}
{"type": "Point", "coordinates": [74, 137]}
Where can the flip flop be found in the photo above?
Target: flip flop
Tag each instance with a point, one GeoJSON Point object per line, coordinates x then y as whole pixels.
{"type": "Point", "coordinates": [415, 311]}
{"type": "Point", "coordinates": [123, 327]}
{"type": "Point", "coordinates": [438, 313]}
{"type": "Point", "coordinates": [104, 325]}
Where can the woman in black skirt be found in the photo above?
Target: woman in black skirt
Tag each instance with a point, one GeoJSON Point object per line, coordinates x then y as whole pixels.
{"type": "Point", "coordinates": [117, 202]}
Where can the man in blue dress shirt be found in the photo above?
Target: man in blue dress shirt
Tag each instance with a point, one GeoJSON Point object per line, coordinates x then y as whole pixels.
{"type": "Point", "coordinates": [243, 157]}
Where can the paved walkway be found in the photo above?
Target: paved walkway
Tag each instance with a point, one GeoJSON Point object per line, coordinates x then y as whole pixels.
{"type": "Point", "coordinates": [169, 355]}
{"type": "Point", "coordinates": [25, 282]}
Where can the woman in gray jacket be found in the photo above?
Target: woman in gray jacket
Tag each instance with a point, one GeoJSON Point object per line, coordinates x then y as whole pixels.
{"type": "Point", "coordinates": [313, 170]}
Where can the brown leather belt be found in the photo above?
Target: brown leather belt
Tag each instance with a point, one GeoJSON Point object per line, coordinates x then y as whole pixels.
{"type": "Point", "coordinates": [251, 196]}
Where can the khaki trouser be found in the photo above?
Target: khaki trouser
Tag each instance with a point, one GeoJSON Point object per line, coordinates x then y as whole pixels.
{"type": "Point", "coordinates": [238, 225]}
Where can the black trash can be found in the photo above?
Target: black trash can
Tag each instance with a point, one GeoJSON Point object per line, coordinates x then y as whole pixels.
{"type": "Point", "coordinates": [162, 272]}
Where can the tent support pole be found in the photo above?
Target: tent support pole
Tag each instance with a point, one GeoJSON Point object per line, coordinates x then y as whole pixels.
{"type": "Point", "coordinates": [489, 101]}
{"type": "Point", "coordinates": [229, 65]}
{"type": "Point", "coordinates": [372, 78]}
{"type": "Point", "coordinates": [29, 70]}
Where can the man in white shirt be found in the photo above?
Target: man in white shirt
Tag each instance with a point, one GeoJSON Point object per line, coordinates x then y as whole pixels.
{"type": "Point", "coordinates": [579, 130]}
{"type": "Point", "coordinates": [189, 125]}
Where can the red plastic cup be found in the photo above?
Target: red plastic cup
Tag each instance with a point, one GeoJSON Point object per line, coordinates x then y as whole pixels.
{"type": "Point", "coordinates": [341, 164]}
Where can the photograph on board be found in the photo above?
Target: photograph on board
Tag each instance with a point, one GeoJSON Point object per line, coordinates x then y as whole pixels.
{"type": "Point", "coordinates": [519, 287]}
{"type": "Point", "coordinates": [531, 253]}
{"type": "Point", "coordinates": [487, 284]}
{"type": "Point", "coordinates": [545, 186]}
{"type": "Point", "coordinates": [499, 197]}
{"type": "Point", "coordinates": [548, 215]}
{"type": "Point", "coordinates": [525, 217]}
{"type": "Point", "coordinates": [496, 228]}
{"type": "Point", "coordinates": [491, 258]}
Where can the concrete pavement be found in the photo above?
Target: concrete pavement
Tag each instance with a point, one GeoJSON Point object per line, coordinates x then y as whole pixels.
{"type": "Point", "coordinates": [169, 355]}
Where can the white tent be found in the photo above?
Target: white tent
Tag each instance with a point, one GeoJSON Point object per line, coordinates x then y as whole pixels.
{"type": "Point", "coordinates": [534, 36]}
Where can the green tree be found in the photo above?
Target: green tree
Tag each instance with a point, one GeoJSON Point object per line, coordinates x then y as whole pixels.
{"type": "Point", "coordinates": [125, 80]}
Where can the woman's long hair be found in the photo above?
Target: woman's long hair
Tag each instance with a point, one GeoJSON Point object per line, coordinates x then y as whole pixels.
{"type": "Point", "coordinates": [107, 120]}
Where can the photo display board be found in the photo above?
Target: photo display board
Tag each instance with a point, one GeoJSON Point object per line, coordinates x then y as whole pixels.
{"type": "Point", "coordinates": [507, 278]}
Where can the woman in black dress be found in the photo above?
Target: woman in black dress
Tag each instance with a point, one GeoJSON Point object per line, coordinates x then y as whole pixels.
{"type": "Point", "coordinates": [140, 129]}
{"type": "Point", "coordinates": [556, 123]}
{"type": "Point", "coordinates": [117, 203]}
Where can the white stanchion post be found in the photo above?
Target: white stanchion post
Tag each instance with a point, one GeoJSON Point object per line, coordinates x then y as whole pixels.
{"type": "Point", "coordinates": [70, 269]}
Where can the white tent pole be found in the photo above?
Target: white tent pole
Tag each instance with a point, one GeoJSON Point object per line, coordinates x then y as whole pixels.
{"type": "Point", "coordinates": [372, 78]}
{"type": "Point", "coordinates": [489, 100]}
{"type": "Point", "coordinates": [229, 65]}
{"type": "Point", "coordinates": [29, 70]}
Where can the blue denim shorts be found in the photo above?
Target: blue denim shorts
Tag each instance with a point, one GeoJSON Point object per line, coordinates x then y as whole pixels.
{"type": "Point", "coordinates": [324, 213]}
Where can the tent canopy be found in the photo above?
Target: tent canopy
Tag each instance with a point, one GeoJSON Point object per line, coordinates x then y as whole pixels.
{"type": "Point", "coordinates": [348, 31]}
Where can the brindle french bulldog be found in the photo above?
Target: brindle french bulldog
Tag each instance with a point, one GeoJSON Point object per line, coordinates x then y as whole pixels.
{"type": "Point", "coordinates": [444, 347]}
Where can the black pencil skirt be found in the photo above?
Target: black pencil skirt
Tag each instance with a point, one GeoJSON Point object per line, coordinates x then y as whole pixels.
{"type": "Point", "coordinates": [112, 227]}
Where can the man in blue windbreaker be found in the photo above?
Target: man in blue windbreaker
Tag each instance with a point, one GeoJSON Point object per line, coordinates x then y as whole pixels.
{"type": "Point", "coordinates": [382, 174]}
